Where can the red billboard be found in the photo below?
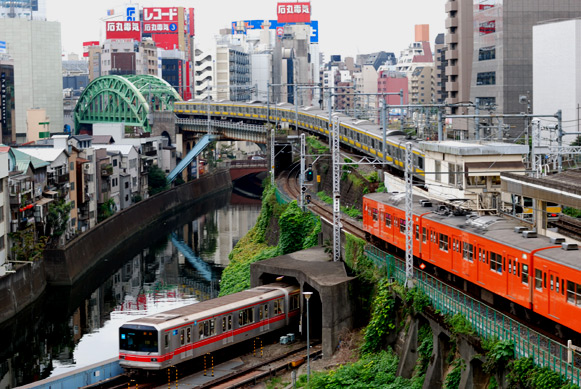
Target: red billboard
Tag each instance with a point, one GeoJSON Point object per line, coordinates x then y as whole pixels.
{"type": "Point", "coordinates": [293, 12]}
{"type": "Point", "coordinates": [123, 30]}
{"type": "Point", "coordinates": [86, 46]}
{"type": "Point", "coordinates": [166, 41]}
{"type": "Point", "coordinates": [162, 20]}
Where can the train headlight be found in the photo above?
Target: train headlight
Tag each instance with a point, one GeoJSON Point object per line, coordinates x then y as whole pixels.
{"type": "Point", "coordinates": [122, 357]}
{"type": "Point", "coordinates": [153, 359]}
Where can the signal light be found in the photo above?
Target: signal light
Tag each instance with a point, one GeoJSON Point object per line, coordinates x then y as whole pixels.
{"type": "Point", "coordinates": [309, 175]}
{"type": "Point", "coordinates": [422, 266]}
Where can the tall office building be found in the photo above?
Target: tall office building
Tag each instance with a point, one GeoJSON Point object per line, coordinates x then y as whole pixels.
{"type": "Point", "coordinates": [490, 51]}
{"type": "Point", "coordinates": [35, 47]}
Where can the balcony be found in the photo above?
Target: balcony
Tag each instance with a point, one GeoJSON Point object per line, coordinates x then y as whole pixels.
{"type": "Point", "coordinates": [451, 5]}
{"type": "Point", "coordinates": [451, 38]}
{"type": "Point", "coordinates": [451, 22]}
{"type": "Point", "coordinates": [106, 170]}
{"type": "Point", "coordinates": [452, 70]}
{"type": "Point", "coordinates": [451, 54]}
{"type": "Point", "coordinates": [452, 86]}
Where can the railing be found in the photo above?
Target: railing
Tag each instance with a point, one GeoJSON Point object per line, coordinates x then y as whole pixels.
{"type": "Point", "coordinates": [487, 322]}
{"type": "Point", "coordinates": [222, 124]}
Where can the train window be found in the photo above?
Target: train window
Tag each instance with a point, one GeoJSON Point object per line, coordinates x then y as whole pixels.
{"type": "Point", "coordinates": [421, 163]}
{"type": "Point", "coordinates": [417, 232]}
{"type": "Point", "coordinates": [509, 266]}
{"type": "Point", "coordinates": [443, 242]}
{"type": "Point", "coordinates": [189, 335]}
{"type": "Point", "coordinates": [388, 220]}
{"type": "Point", "coordinates": [551, 284]}
{"type": "Point", "coordinates": [374, 214]}
{"type": "Point", "coordinates": [246, 316]}
{"type": "Point", "coordinates": [424, 234]}
{"type": "Point", "coordinates": [402, 226]}
{"type": "Point", "coordinates": [496, 262]}
{"type": "Point", "coordinates": [266, 311]}
{"type": "Point", "coordinates": [279, 306]}
{"type": "Point", "coordinates": [224, 323]}
{"type": "Point", "coordinates": [518, 269]}
{"type": "Point", "coordinates": [166, 340]}
{"type": "Point", "coordinates": [468, 251]}
{"type": "Point", "coordinates": [525, 274]}
{"type": "Point", "coordinates": [538, 279]}
{"type": "Point", "coordinates": [573, 293]}
{"type": "Point", "coordinates": [294, 302]}
{"type": "Point", "coordinates": [182, 337]}
{"type": "Point", "coordinates": [557, 285]}
{"type": "Point", "coordinates": [545, 280]}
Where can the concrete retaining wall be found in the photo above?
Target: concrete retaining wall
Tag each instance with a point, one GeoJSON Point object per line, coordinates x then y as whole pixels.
{"type": "Point", "coordinates": [65, 266]}
{"type": "Point", "coordinates": [19, 289]}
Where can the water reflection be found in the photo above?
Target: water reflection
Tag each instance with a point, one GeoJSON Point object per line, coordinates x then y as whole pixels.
{"type": "Point", "coordinates": [75, 327]}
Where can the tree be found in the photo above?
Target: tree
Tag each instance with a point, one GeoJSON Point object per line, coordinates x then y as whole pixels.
{"type": "Point", "coordinates": [106, 210]}
{"type": "Point", "coordinates": [156, 180]}
{"type": "Point", "coordinates": [57, 218]}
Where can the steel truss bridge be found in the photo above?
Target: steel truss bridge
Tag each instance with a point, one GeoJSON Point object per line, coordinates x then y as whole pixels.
{"type": "Point", "coordinates": [123, 99]}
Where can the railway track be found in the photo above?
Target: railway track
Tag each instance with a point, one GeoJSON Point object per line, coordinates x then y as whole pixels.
{"type": "Point", "coordinates": [568, 226]}
{"type": "Point", "coordinates": [289, 184]}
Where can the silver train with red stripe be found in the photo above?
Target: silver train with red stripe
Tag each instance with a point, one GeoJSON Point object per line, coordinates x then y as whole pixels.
{"type": "Point", "coordinates": [158, 341]}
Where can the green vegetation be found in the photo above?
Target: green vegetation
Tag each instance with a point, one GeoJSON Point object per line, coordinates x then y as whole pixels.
{"type": "Point", "coordinates": [26, 247]}
{"type": "Point", "coordinates": [106, 210]}
{"type": "Point", "coordinates": [315, 146]}
{"type": "Point", "coordinates": [156, 180]}
{"type": "Point", "coordinates": [498, 355]}
{"type": "Point", "coordinates": [454, 376]}
{"type": "Point", "coordinates": [523, 373]}
{"type": "Point", "coordinates": [352, 212]}
{"type": "Point", "coordinates": [573, 212]}
{"type": "Point", "coordinates": [57, 218]}
{"type": "Point", "coordinates": [382, 319]}
{"type": "Point", "coordinates": [460, 325]}
{"type": "Point", "coordinates": [298, 230]}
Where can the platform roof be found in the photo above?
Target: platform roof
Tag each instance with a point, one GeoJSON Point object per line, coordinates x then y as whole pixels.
{"type": "Point", "coordinates": [562, 188]}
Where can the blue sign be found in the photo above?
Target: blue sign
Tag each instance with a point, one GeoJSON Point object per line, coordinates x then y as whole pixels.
{"type": "Point", "coordinates": [131, 14]}
{"type": "Point", "coordinates": [173, 27]}
{"type": "Point", "coordinates": [274, 24]}
{"type": "Point", "coordinates": [3, 47]}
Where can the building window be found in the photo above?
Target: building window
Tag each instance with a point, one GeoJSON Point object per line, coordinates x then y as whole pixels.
{"type": "Point", "coordinates": [72, 186]}
{"type": "Point", "coordinates": [2, 239]}
{"type": "Point", "coordinates": [487, 53]}
{"type": "Point", "coordinates": [486, 101]}
{"type": "Point", "coordinates": [72, 168]}
{"type": "Point", "coordinates": [114, 162]}
{"type": "Point", "coordinates": [488, 27]}
{"type": "Point", "coordinates": [486, 78]}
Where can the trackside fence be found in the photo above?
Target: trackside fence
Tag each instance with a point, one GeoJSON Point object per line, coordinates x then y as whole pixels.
{"type": "Point", "coordinates": [487, 322]}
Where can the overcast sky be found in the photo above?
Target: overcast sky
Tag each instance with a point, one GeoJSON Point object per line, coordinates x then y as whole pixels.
{"type": "Point", "coordinates": [347, 28]}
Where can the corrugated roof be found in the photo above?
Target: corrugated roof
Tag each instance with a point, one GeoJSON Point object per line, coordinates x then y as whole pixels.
{"type": "Point", "coordinates": [23, 160]}
{"type": "Point", "coordinates": [48, 154]}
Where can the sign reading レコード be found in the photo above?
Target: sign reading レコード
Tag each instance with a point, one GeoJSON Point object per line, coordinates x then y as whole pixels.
{"type": "Point", "coordinates": [293, 12]}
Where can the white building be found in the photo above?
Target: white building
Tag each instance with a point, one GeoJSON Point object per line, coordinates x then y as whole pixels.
{"type": "Point", "coordinates": [128, 170]}
{"type": "Point", "coordinates": [35, 47]}
{"type": "Point", "coordinates": [4, 209]}
{"type": "Point", "coordinates": [557, 77]}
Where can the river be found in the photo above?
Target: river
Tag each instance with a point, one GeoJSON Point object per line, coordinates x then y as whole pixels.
{"type": "Point", "coordinates": [69, 328]}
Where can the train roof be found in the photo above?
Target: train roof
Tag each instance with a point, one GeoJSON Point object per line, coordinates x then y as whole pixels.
{"type": "Point", "coordinates": [213, 307]}
{"type": "Point", "coordinates": [496, 228]}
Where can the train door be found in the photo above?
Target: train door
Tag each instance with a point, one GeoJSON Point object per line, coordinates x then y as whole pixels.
{"type": "Point", "coordinates": [511, 277]}
{"type": "Point", "coordinates": [228, 329]}
{"type": "Point", "coordinates": [482, 266]}
{"type": "Point", "coordinates": [456, 254]}
{"type": "Point", "coordinates": [432, 256]}
{"type": "Point", "coordinates": [264, 316]}
{"type": "Point", "coordinates": [555, 293]}
{"type": "Point", "coordinates": [189, 333]}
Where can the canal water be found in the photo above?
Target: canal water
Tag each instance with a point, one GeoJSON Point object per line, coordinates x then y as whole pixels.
{"type": "Point", "coordinates": [69, 328]}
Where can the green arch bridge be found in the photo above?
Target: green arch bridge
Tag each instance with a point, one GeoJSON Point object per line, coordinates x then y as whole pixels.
{"type": "Point", "coordinates": [123, 99]}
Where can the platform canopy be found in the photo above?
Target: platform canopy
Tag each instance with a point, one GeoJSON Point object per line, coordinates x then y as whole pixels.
{"type": "Point", "coordinates": [128, 99]}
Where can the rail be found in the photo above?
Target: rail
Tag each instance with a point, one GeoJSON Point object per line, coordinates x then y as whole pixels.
{"type": "Point", "coordinates": [486, 321]}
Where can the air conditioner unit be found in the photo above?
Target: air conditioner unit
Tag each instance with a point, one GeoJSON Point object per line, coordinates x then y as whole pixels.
{"type": "Point", "coordinates": [569, 246]}
{"type": "Point", "coordinates": [87, 166]}
{"type": "Point", "coordinates": [529, 234]}
{"type": "Point", "coordinates": [557, 240]}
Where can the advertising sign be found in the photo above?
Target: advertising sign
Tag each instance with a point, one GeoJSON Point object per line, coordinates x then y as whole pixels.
{"type": "Point", "coordinates": [123, 30]}
{"type": "Point", "coordinates": [191, 29]}
{"type": "Point", "coordinates": [273, 25]}
{"type": "Point", "coordinates": [86, 46]}
{"type": "Point", "coordinates": [293, 12]}
{"type": "Point", "coordinates": [166, 41]}
{"type": "Point", "coordinates": [132, 12]}
{"type": "Point", "coordinates": [3, 47]}
{"type": "Point", "coordinates": [161, 19]}
{"type": "Point", "coordinates": [3, 102]}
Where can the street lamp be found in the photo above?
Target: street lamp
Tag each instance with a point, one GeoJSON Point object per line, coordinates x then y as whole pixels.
{"type": "Point", "coordinates": [308, 296]}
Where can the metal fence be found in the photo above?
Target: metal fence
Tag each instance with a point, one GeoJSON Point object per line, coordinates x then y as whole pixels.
{"type": "Point", "coordinates": [486, 321]}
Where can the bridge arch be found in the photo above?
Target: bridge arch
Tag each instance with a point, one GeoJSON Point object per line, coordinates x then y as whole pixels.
{"type": "Point", "coordinates": [123, 99]}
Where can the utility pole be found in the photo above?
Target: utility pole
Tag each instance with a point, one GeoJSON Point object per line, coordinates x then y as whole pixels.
{"type": "Point", "coordinates": [336, 192]}
{"type": "Point", "coordinates": [302, 174]}
{"type": "Point", "coordinates": [272, 132]}
{"type": "Point", "coordinates": [409, 253]}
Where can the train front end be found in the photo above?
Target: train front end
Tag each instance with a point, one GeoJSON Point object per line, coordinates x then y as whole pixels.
{"type": "Point", "coordinates": [139, 347]}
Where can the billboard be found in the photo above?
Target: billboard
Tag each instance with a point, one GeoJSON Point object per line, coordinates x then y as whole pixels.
{"type": "Point", "coordinates": [293, 12]}
{"type": "Point", "coordinates": [86, 46]}
{"type": "Point", "coordinates": [123, 30]}
{"type": "Point", "coordinates": [274, 25]}
{"type": "Point", "coordinates": [166, 41]}
{"type": "Point", "coordinates": [161, 19]}
{"type": "Point", "coordinates": [132, 12]}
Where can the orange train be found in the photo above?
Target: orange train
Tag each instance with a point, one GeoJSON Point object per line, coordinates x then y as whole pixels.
{"type": "Point", "coordinates": [492, 253]}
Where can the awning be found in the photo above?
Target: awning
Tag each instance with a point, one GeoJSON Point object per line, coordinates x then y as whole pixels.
{"type": "Point", "coordinates": [493, 168]}
{"type": "Point", "coordinates": [43, 201]}
{"type": "Point", "coordinates": [50, 193]}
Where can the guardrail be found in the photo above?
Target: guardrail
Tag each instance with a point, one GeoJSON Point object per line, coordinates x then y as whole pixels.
{"type": "Point", "coordinates": [487, 322]}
